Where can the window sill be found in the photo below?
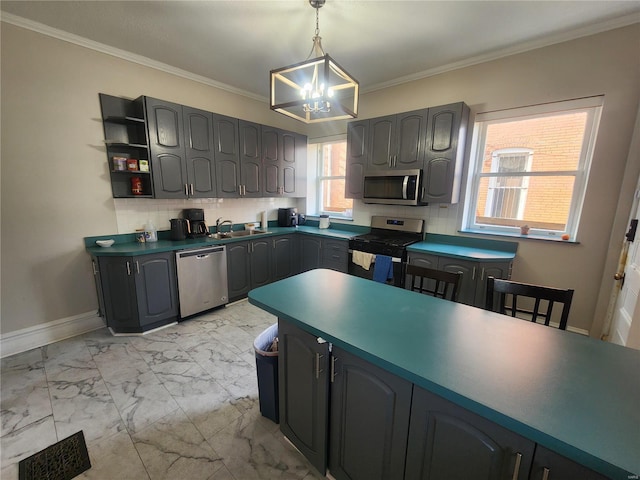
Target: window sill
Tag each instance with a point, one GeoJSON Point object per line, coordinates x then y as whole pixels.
{"type": "Point", "coordinates": [530, 236]}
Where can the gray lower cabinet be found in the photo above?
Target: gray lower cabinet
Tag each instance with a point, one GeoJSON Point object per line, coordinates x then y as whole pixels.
{"type": "Point", "coordinates": [548, 465]}
{"type": "Point", "coordinates": [447, 442]}
{"type": "Point", "coordinates": [303, 366]}
{"type": "Point", "coordinates": [318, 252]}
{"type": "Point", "coordinates": [369, 420]}
{"type": "Point", "coordinates": [248, 266]}
{"type": "Point", "coordinates": [285, 258]}
{"type": "Point", "coordinates": [140, 293]}
{"type": "Point", "coordinates": [473, 285]}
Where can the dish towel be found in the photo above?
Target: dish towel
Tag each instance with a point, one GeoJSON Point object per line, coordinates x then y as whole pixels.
{"type": "Point", "coordinates": [383, 268]}
{"type": "Point", "coordinates": [363, 259]}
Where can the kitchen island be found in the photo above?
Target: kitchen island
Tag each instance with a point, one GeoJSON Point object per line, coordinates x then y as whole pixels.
{"type": "Point", "coordinates": [567, 393]}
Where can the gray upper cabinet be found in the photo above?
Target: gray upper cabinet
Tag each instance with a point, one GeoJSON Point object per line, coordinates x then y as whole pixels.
{"type": "Point", "coordinates": [284, 157]}
{"type": "Point", "coordinates": [432, 140]}
{"type": "Point", "coordinates": [168, 153]}
{"type": "Point", "coordinates": [201, 168]}
{"type": "Point", "coordinates": [357, 137]}
{"type": "Point", "coordinates": [397, 141]}
{"type": "Point", "coordinates": [251, 170]}
{"type": "Point", "coordinates": [444, 152]}
{"type": "Point", "coordinates": [227, 156]}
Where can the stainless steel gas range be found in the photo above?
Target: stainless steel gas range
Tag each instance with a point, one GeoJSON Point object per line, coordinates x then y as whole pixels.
{"type": "Point", "coordinates": [389, 237]}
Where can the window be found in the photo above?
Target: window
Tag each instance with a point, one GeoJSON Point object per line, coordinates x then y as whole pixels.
{"type": "Point", "coordinates": [529, 166]}
{"type": "Point", "coordinates": [332, 159]}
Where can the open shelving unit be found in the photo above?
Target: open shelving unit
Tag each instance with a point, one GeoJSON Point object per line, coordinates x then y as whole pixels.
{"type": "Point", "coordinates": [125, 133]}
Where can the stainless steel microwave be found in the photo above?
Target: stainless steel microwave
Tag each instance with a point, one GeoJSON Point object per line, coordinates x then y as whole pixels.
{"type": "Point", "coordinates": [393, 187]}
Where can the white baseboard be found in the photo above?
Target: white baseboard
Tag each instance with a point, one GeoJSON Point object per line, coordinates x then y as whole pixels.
{"type": "Point", "coordinates": [46, 333]}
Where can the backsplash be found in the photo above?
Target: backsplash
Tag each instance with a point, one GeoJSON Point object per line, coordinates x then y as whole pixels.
{"type": "Point", "coordinates": [133, 214]}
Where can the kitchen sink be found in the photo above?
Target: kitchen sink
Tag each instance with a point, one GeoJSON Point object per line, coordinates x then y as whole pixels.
{"type": "Point", "coordinates": [238, 233]}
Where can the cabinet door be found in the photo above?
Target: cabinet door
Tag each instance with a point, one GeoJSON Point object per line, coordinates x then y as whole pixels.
{"type": "Point", "coordinates": [285, 257]}
{"type": "Point", "coordinates": [310, 252]}
{"type": "Point", "coordinates": [95, 266]}
{"type": "Point", "coordinates": [201, 171]}
{"type": "Point", "coordinates": [293, 181]}
{"type": "Point", "coordinates": [250, 159]}
{"type": "Point", "coordinates": [381, 148]}
{"type": "Point", "coordinates": [166, 142]}
{"type": "Point", "coordinates": [548, 465]}
{"type": "Point", "coordinates": [357, 138]}
{"type": "Point", "coordinates": [369, 420]}
{"type": "Point", "coordinates": [226, 154]}
{"type": "Point", "coordinates": [260, 251]}
{"type": "Point", "coordinates": [118, 286]}
{"type": "Point", "coordinates": [496, 270]}
{"type": "Point", "coordinates": [447, 442]}
{"type": "Point", "coordinates": [468, 282]}
{"type": "Point", "coordinates": [410, 135]}
{"type": "Point", "coordinates": [271, 160]}
{"type": "Point", "coordinates": [304, 392]}
{"type": "Point", "coordinates": [156, 289]}
{"type": "Point", "coordinates": [238, 270]}
{"type": "Point", "coordinates": [446, 134]}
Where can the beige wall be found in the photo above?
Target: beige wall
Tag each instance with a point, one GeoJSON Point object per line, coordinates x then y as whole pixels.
{"type": "Point", "coordinates": [55, 187]}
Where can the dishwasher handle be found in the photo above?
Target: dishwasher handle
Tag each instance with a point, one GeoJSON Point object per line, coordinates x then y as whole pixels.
{"type": "Point", "coordinates": [200, 252]}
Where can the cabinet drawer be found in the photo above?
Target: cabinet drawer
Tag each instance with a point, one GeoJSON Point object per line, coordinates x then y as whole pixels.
{"type": "Point", "coordinates": [335, 251]}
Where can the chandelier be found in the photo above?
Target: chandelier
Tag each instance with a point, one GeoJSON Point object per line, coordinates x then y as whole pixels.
{"type": "Point", "coordinates": [316, 90]}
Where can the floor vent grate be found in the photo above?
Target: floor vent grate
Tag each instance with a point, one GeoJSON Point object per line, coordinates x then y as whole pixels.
{"type": "Point", "coordinates": [61, 461]}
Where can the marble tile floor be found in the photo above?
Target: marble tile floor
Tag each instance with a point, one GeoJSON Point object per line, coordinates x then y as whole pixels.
{"type": "Point", "coordinates": [178, 403]}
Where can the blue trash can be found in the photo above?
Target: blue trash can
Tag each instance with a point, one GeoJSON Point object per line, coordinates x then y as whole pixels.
{"type": "Point", "coordinates": [267, 369]}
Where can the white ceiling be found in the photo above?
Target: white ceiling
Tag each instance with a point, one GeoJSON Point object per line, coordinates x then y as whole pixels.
{"type": "Point", "coordinates": [234, 43]}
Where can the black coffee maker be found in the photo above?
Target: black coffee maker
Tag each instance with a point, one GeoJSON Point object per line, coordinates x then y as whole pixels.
{"type": "Point", "coordinates": [287, 217]}
{"type": "Point", "coordinates": [196, 227]}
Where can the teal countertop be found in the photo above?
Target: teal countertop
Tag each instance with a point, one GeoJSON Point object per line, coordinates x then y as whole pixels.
{"type": "Point", "coordinates": [466, 248]}
{"type": "Point", "coordinates": [570, 393]}
{"type": "Point", "coordinates": [125, 245]}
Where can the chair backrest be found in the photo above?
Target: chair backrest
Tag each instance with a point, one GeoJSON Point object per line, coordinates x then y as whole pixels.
{"type": "Point", "coordinates": [437, 283]}
{"type": "Point", "coordinates": [542, 296]}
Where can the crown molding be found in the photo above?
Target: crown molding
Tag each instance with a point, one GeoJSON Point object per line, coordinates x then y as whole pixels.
{"type": "Point", "coordinates": [561, 37]}
{"type": "Point", "coordinates": [122, 54]}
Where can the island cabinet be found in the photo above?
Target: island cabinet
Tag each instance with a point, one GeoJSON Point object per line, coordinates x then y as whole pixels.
{"type": "Point", "coordinates": [369, 420]}
{"type": "Point", "coordinates": [397, 141]}
{"type": "Point", "coordinates": [248, 266]}
{"type": "Point", "coordinates": [303, 382]}
{"type": "Point", "coordinates": [449, 443]}
{"type": "Point", "coordinates": [140, 292]}
{"type": "Point", "coordinates": [473, 283]}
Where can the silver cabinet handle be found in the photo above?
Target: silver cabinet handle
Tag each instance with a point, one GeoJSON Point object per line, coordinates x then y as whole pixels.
{"type": "Point", "coordinates": [545, 473]}
{"type": "Point", "coordinates": [128, 268]}
{"type": "Point", "coordinates": [95, 270]}
{"type": "Point", "coordinates": [333, 368]}
{"type": "Point", "coordinates": [186, 189]}
{"type": "Point", "coordinates": [191, 188]}
{"type": "Point", "coordinates": [137, 267]}
{"type": "Point", "coordinates": [473, 275]}
{"type": "Point", "coordinates": [516, 469]}
{"type": "Point", "coordinates": [318, 370]}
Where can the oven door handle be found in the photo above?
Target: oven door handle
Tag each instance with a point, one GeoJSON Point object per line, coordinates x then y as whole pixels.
{"type": "Point", "coordinates": [393, 259]}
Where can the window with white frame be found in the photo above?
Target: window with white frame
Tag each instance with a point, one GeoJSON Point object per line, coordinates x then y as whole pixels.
{"type": "Point", "coordinates": [529, 166]}
{"type": "Point", "coordinates": [332, 159]}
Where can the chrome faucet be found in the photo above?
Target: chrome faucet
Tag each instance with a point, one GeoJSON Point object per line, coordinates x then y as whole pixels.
{"type": "Point", "coordinates": [219, 223]}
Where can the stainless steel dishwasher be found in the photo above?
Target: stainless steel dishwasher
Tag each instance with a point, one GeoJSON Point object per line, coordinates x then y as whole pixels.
{"type": "Point", "coordinates": [202, 279]}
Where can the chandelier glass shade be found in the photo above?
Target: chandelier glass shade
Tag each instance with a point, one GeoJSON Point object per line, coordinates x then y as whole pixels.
{"type": "Point", "coordinates": [316, 90]}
